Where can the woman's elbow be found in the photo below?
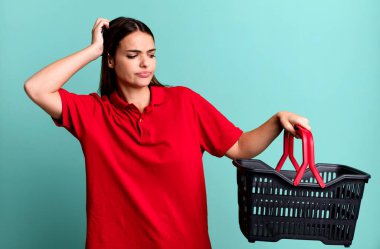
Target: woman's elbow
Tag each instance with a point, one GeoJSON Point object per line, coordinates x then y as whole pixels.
{"type": "Point", "coordinates": [236, 151]}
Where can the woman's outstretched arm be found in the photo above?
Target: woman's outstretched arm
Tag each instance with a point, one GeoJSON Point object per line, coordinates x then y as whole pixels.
{"type": "Point", "coordinates": [43, 86]}
{"type": "Point", "coordinates": [252, 143]}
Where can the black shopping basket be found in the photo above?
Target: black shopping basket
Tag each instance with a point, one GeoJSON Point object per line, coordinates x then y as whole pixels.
{"type": "Point", "coordinates": [318, 203]}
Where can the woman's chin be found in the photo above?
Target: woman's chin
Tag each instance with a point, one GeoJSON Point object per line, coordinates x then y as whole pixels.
{"type": "Point", "coordinates": [138, 84]}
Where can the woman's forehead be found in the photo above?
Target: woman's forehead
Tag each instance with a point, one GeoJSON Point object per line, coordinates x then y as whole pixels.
{"type": "Point", "coordinates": [137, 41]}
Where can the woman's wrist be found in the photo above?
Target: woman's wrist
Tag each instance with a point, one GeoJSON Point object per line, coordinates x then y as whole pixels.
{"type": "Point", "coordinates": [95, 51]}
{"type": "Point", "coordinates": [279, 116]}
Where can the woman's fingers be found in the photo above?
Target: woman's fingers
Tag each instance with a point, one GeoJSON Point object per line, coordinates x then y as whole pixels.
{"type": "Point", "coordinates": [97, 30]}
{"type": "Point", "coordinates": [289, 120]}
{"type": "Point", "coordinates": [290, 128]}
{"type": "Point", "coordinates": [304, 122]}
{"type": "Point", "coordinates": [98, 27]}
{"type": "Point", "coordinates": [100, 22]}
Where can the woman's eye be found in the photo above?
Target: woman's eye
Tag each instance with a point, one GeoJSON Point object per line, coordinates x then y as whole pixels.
{"type": "Point", "coordinates": [134, 56]}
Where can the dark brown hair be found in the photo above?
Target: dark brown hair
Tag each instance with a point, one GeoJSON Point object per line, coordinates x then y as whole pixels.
{"type": "Point", "coordinates": [118, 29]}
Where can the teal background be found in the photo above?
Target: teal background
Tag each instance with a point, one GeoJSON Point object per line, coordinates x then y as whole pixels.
{"type": "Point", "coordinates": [251, 59]}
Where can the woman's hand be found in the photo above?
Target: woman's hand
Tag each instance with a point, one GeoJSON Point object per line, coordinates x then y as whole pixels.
{"type": "Point", "coordinates": [97, 34]}
{"type": "Point", "coordinates": [289, 119]}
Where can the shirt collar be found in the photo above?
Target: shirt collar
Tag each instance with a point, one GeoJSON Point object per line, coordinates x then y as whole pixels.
{"type": "Point", "coordinates": [157, 95]}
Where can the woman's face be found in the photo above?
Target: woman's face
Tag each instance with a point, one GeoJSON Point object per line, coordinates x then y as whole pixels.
{"type": "Point", "coordinates": [134, 60]}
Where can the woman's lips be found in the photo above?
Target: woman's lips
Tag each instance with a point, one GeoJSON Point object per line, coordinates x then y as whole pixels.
{"type": "Point", "coordinates": [143, 74]}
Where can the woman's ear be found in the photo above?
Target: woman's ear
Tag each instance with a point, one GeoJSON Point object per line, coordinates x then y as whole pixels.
{"type": "Point", "coordinates": [110, 61]}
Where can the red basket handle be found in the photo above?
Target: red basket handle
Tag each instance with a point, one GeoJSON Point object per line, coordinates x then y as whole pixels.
{"type": "Point", "coordinates": [307, 154]}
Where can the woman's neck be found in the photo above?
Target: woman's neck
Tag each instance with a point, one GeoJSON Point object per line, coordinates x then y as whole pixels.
{"type": "Point", "coordinates": [140, 97]}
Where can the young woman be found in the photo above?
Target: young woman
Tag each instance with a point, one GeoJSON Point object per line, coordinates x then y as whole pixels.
{"type": "Point", "coordinates": [143, 142]}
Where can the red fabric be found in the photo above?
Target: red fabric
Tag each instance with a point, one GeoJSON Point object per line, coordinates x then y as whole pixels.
{"type": "Point", "coordinates": [144, 179]}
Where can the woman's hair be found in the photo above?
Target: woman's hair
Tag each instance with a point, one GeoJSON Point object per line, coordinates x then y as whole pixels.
{"type": "Point", "coordinates": [118, 29]}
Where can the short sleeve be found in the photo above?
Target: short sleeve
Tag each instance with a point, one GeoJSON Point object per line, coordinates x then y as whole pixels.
{"type": "Point", "coordinates": [216, 133]}
{"type": "Point", "coordinates": [77, 112]}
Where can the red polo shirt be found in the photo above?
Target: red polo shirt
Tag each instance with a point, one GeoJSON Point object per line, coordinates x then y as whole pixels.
{"type": "Point", "coordinates": [144, 174]}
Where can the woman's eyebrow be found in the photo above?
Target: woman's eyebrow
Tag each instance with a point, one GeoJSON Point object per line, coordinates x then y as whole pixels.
{"type": "Point", "coordinates": [139, 51]}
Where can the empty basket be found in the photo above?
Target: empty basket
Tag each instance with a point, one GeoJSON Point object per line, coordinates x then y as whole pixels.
{"type": "Point", "coordinates": [271, 207]}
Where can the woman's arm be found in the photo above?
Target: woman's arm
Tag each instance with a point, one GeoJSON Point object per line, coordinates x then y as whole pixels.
{"type": "Point", "coordinates": [252, 143]}
{"type": "Point", "coordinates": [43, 86]}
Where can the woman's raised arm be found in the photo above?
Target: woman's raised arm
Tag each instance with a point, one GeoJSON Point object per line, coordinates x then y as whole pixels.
{"type": "Point", "coordinates": [43, 86]}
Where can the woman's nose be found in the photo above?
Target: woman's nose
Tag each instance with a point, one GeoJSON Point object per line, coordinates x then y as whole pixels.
{"type": "Point", "coordinates": [143, 61]}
